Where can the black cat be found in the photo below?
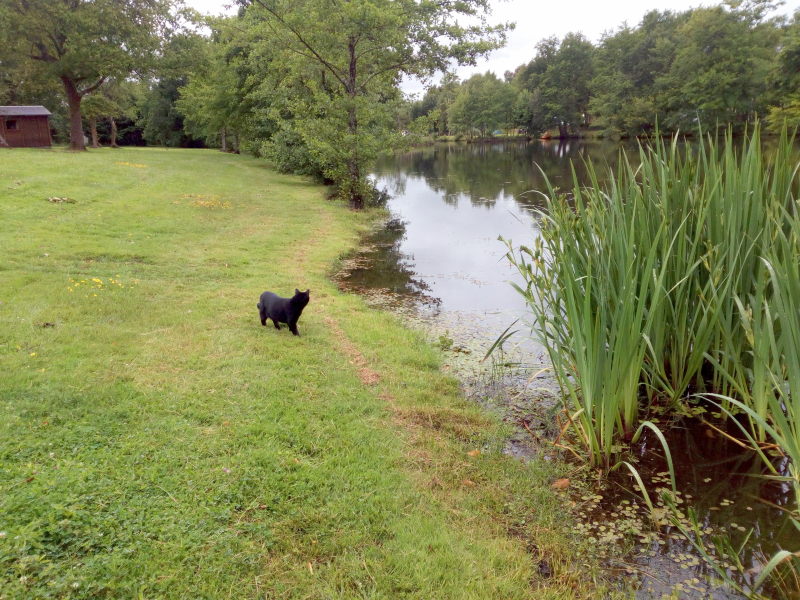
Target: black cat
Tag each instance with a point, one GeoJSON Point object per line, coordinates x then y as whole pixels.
{"type": "Point", "coordinates": [283, 310]}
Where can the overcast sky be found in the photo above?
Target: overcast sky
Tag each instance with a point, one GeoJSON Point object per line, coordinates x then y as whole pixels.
{"type": "Point", "coordinates": [538, 19]}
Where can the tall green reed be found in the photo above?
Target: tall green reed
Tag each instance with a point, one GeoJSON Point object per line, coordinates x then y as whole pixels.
{"type": "Point", "coordinates": [591, 295]}
{"type": "Point", "coordinates": [639, 284]}
{"type": "Point", "coordinates": [770, 398]}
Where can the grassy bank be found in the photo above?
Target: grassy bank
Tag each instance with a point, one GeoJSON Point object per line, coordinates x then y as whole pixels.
{"type": "Point", "coordinates": [157, 442]}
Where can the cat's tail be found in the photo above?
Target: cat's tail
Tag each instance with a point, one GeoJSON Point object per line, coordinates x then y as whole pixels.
{"type": "Point", "coordinates": [258, 306]}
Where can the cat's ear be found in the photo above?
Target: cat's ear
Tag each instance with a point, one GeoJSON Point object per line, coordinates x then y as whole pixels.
{"type": "Point", "coordinates": [308, 291]}
{"type": "Point", "coordinates": [296, 291]}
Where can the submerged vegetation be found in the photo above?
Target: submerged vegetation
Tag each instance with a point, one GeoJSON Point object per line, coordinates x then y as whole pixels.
{"type": "Point", "coordinates": [674, 286]}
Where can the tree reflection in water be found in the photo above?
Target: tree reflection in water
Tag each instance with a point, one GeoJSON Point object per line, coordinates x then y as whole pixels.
{"type": "Point", "coordinates": [486, 173]}
{"type": "Point", "coordinates": [380, 264]}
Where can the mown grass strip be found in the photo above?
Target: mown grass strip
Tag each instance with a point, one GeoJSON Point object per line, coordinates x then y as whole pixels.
{"type": "Point", "coordinates": [157, 442]}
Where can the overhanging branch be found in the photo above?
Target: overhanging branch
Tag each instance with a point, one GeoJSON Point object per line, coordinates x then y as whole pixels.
{"type": "Point", "coordinates": [334, 71]}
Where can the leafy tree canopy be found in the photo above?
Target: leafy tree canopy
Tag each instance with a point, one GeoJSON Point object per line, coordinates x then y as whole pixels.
{"type": "Point", "coordinates": [84, 43]}
{"type": "Point", "coordinates": [338, 65]}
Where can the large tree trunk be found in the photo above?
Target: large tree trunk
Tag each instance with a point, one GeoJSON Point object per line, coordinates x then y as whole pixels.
{"type": "Point", "coordinates": [75, 122]}
{"type": "Point", "coordinates": [93, 129]}
{"type": "Point", "coordinates": [113, 132]}
{"type": "Point", "coordinates": [353, 167]}
{"type": "Point", "coordinates": [356, 198]}
{"type": "Point", "coordinates": [223, 140]}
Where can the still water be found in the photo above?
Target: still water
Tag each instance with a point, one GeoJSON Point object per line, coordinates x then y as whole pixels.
{"type": "Point", "coordinates": [449, 205]}
{"type": "Point", "coordinates": [438, 261]}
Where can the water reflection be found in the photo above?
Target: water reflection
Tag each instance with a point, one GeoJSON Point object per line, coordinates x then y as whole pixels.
{"type": "Point", "coordinates": [449, 204]}
{"type": "Point", "coordinates": [490, 173]}
{"type": "Point", "coordinates": [440, 250]}
{"type": "Point", "coordinates": [725, 487]}
{"type": "Point", "coordinates": [382, 264]}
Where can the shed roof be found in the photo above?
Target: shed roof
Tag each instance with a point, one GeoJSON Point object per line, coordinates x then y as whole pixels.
{"type": "Point", "coordinates": [24, 111]}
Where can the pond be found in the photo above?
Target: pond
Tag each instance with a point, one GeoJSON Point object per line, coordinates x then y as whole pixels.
{"type": "Point", "coordinates": [439, 255]}
{"type": "Point", "coordinates": [438, 262]}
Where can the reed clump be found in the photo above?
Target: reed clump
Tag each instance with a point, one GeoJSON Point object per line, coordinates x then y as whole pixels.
{"type": "Point", "coordinates": [677, 275]}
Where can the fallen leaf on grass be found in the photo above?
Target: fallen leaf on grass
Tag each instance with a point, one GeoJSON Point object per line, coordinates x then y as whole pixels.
{"type": "Point", "coordinates": [560, 484]}
{"type": "Point", "coordinates": [473, 453]}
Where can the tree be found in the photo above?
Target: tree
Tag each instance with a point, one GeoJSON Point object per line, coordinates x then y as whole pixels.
{"type": "Point", "coordinates": [483, 103]}
{"type": "Point", "coordinates": [628, 92]}
{"type": "Point", "coordinates": [160, 118]}
{"type": "Point", "coordinates": [719, 73]}
{"type": "Point", "coordinates": [340, 64]}
{"type": "Point", "coordinates": [182, 56]}
{"type": "Point", "coordinates": [84, 43]}
{"type": "Point", "coordinates": [23, 81]}
{"type": "Point", "coordinates": [217, 101]}
{"type": "Point", "coordinates": [557, 81]}
{"type": "Point", "coordinates": [785, 80]}
{"type": "Point", "coordinates": [113, 100]}
{"type": "Point", "coordinates": [436, 104]}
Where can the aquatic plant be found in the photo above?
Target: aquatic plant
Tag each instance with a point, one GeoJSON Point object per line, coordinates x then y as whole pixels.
{"type": "Point", "coordinates": [679, 278]}
{"type": "Point", "coordinates": [642, 287]}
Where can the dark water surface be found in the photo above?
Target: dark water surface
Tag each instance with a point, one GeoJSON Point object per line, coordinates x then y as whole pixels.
{"type": "Point", "coordinates": [438, 262]}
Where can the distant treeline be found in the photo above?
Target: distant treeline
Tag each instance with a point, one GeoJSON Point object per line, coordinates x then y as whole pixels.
{"type": "Point", "coordinates": [723, 65]}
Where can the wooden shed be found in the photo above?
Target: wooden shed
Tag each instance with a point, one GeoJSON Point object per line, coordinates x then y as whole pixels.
{"type": "Point", "coordinates": [25, 127]}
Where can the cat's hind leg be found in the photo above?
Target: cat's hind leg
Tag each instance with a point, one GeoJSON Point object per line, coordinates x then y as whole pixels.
{"type": "Point", "coordinates": [275, 322]}
{"type": "Point", "coordinates": [262, 313]}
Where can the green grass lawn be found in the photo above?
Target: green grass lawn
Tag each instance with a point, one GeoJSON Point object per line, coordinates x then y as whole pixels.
{"type": "Point", "coordinates": [157, 442]}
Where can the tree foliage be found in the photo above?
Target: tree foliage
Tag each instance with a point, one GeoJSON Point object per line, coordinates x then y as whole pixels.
{"type": "Point", "coordinates": [84, 43]}
{"type": "Point", "coordinates": [338, 66]}
{"type": "Point", "coordinates": [719, 71]}
{"type": "Point", "coordinates": [484, 103]}
{"type": "Point", "coordinates": [555, 84]}
{"type": "Point", "coordinates": [712, 66]}
{"type": "Point", "coordinates": [159, 115]}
